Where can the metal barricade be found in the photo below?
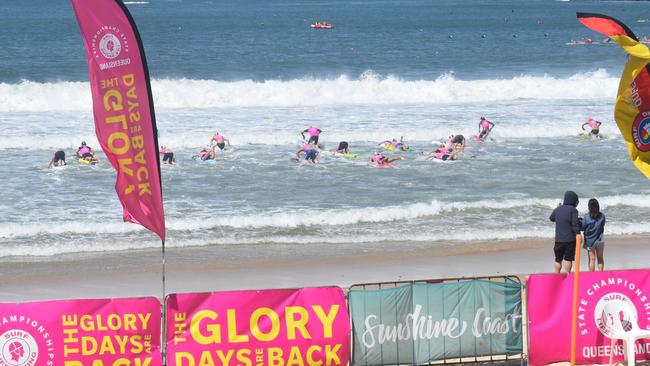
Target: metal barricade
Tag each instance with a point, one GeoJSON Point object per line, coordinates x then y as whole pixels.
{"type": "Point", "coordinates": [500, 358]}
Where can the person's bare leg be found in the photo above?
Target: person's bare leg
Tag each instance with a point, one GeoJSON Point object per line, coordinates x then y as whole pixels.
{"type": "Point", "coordinates": [592, 260]}
{"type": "Point", "coordinates": [599, 254]}
{"type": "Point", "coordinates": [557, 266]}
{"type": "Point", "coordinates": [567, 266]}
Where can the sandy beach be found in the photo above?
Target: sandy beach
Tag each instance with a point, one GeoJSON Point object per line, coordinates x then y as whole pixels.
{"type": "Point", "coordinates": [215, 268]}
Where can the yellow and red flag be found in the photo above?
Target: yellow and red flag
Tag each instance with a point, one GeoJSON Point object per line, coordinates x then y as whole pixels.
{"type": "Point", "coordinates": [632, 110]}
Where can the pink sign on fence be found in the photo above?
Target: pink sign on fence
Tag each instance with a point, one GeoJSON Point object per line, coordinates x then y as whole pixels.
{"type": "Point", "coordinates": [549, 315]}
{"type": "Point", "coordinates": [266, 327]}
{"type": "Point", "coordinates": [81, 332]}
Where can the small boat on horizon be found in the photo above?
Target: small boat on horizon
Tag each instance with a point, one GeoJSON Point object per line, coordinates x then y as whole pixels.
{"type": "Point", "coordinates": [321, 25]}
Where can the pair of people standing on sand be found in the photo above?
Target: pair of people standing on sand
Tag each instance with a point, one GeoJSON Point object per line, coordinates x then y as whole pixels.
{"type": "Point", "coordinates": [568, 224]}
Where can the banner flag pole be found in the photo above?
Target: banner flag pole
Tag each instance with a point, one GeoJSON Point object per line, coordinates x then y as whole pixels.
{"type": "Point", "coordinates": [574, 315]}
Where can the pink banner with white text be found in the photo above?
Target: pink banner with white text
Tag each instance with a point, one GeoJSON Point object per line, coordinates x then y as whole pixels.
{"type": "Point", "coordinates": [308, 326]}
{"type": "Point", "coordinates": [549, 313]}
{"type": "Point", "coordinates": [81, 332]}
{"type": "Point", "coordinates": [123, 108]}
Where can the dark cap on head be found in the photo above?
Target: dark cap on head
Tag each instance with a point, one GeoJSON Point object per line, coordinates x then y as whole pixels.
{"type": "Point", "coordinates": [571, 198]}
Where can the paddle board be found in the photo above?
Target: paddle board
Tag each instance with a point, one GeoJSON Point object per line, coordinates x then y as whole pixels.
{"type": "Point", "coordinates": [209, 161]}
{"type": "Point", "coordinates": [350, 155]}
{"type": "Point", "coordinates": [86, 161]}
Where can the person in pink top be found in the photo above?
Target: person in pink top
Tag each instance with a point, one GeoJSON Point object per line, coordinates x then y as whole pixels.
{"type": "Point", "coordinates": [595, 127]}
{"type": "Point", "coordinates": [380, 159]}
{"type": "Point", "coordinates": [484, 128]}
{"type": "Point", "coordinates": [219, 140]}
{"type": "Point", "coordinates": [442, 153]}
{"type": "Point", "coordinates": [168, 155]}
{"type": "Point", "coordinates": [314, 132]}
{"type": "Point", "coordinates": [205, 154]}
{"type": "Point", "coordinates": [85, 152]}
{"type": "Point", "coordinates": [311, 153]}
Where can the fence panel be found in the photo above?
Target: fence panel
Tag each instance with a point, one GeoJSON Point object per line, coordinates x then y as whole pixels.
{"type": "Point", "coordinates": [436, 321]}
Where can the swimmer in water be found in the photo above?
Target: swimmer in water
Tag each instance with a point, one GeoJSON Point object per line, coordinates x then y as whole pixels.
{"type": "Point", "coordinates": [206, 154]}
{"type": "Point", "coordinates": [380, 159]}
{"type": "Point", "coordinates": [595, 127]}
{"type": "Point", "coordinates": [311, 153]}
{"type": "Point", "coordinates": [457, 143]}
{"type": "Point", "coordinates": [484, 128]}
{"type": "Point", "coordinates": [58, 159]}
{"type": "Point", "coordinates": [85, 152]}
{"type": "Point", "coordinates": [394, 144]}
{"type": "Point", "coordinates": [442, 153]}
{"type": "Point", "coordinates": [342, 148]}
{"type": "Point", "coordinates": [168, 156]}
{"type": "Point", "coordinates": [219, 141]}
{"type": "Point", "coordinates": [314, 132]}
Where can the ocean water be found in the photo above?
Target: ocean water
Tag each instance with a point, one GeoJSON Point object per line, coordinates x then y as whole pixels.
{"type": "Point", "coordinates": [255, 71]}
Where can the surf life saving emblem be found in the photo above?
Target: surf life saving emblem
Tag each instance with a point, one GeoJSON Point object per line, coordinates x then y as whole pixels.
{"type": "Point", "coordinates": [110, 45]}
{"type": "Point", "coordinates": [641, 131]}
{"type": "Point", "coordinates": [604, 322]}
{"type": "Point", "coordinates": [18, 348]}
{"type": "Point", "coordinates": [108, 41]}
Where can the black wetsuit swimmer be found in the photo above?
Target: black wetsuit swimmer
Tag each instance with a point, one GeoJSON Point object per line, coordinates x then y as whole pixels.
{"type": "Point", "coordinates": [343, 147]}
{"type": "Point", "coordinates": [59, 156]}
{"type": "Point", "coordinates": [458, 139]}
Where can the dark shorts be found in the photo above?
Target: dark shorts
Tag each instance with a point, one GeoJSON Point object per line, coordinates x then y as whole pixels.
{"type": "Point", "coordinates": [221, 145]}
{"type": "Point", "coordinates": [169, 157]}
{"type": "Point", "coordinates": [342, 145]}
{"type": "Point", "coordinates": [310, 155]}
{"type": "Point", "coordinates": [313, 139]}
{"type": "Point", "coordinates": [87, 155]}
{"type": "Point", "coordinates": [58, 156]}
{"type": "Point", "coordinates": [565, 250]}
{"type": "Point", "coordinates": [594, 131]}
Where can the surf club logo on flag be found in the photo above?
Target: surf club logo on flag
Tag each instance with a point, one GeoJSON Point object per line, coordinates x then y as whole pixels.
{"type": "Point", "coordinates": [123, 108]}
{"type": "Point", "coordinates": [632, 110]}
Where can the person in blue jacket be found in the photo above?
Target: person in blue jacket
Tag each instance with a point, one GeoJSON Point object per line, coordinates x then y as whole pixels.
{"type": "Point", "coordinates": [567, 226]}
{"type": "Point", "coordinates": [594, 226]}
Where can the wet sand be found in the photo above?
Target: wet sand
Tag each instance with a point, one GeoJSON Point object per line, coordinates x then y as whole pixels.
{"type": "Point", "coordinates": [215, 268]}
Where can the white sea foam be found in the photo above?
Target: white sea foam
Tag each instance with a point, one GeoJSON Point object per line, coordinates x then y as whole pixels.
{"type": "Point", "coordinates": [334, 217]}
{"type": "Point", "coordinates": [475, 234]}
{"type": "Point", "coordinates": [368, 89]}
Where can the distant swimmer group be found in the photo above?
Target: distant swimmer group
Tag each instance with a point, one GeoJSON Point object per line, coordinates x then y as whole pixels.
{"type": "Point", "coordinates": [310, 149]}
